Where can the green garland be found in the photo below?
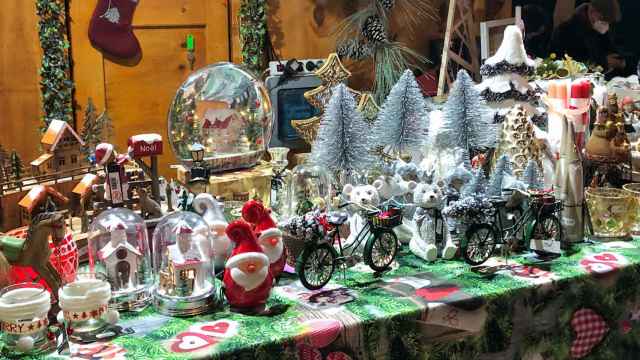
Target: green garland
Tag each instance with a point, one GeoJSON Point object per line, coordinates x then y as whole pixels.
{"type": "Point", "coordinates": [253, 33]}
{"type": "Point", "coordinates": [56, 85]}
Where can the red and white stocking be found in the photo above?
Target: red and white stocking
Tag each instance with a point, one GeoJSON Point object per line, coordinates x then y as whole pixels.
{"type": "Point", "coordinates": [110, 29]}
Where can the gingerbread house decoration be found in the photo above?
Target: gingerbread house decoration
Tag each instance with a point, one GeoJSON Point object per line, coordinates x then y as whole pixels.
{"type": "Point", "coordinates": [185, 273]}
{"type": "Point", "coordinates": [39, 199]}
{"type": "Point", "coordinates": [62, 150]}
{"type": "Point", "coordinates": [121, 259]}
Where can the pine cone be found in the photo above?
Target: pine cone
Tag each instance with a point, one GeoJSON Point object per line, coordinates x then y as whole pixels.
{"type": "Point", "coordinates": [353, 49]}
{"type": "Point", "coordinates": [373, 29]}
{"type": "Point", "coordinates": [387, 4]}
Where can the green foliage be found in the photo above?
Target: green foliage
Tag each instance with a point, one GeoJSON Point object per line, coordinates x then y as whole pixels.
{"type": "Point", "coordinates": [16, 164]}
{"type": "Point", "coordinates": [253, 33]}
{"type": "Point", "coordinates": [56, 85]}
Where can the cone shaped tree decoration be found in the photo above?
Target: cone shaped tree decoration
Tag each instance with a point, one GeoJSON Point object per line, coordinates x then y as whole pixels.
{"type": "Point", "coordinates": [331, 74]}
{"type": "Point", "coordinates": [517, 141]}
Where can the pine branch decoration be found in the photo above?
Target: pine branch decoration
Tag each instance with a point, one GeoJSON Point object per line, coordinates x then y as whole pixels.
{"type": "Point", "coordinates": [56, 85]}
{"type": "Point", "coordinates": [403, 123]}
{"type": "Point", "coordinates": [343, 142]}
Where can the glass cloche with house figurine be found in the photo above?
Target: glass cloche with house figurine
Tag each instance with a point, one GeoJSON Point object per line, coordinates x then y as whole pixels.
{"type": "Point", "coordinates": [183, 265]}
{"type": "Point", "coordinates": [226, 109]}
{"type": "Point", "coordinates": [118, 247]}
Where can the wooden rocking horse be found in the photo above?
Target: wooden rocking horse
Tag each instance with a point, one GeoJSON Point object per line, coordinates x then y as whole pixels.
{"type": "Point", "coordinates": [34, 251]}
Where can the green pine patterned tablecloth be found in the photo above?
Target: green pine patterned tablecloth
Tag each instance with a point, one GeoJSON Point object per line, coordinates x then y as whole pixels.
{"type": "Point", "coordinates": [586, 305]}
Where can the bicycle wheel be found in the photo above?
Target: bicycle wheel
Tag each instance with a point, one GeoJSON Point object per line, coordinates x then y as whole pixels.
{"type": "Point", "coordinates": [315, 265]}
{"type": "Point", "coordinates": [481, 242]}
{"type": "Point", "coordinates": [381, 250]}
{"type": "Point", "coordinates": [547, 227]}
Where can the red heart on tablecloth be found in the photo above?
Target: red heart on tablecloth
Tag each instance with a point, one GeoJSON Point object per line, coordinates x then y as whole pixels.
{"type": "Point", "coordinates": [191, 341]}
{"type": "Point", "coordinates": [219, 329]}
{"type": "Point", "coordinates": [338, 355]}
{"type": "Point", "coordinates": [606, 257]}
{"type": "Point", "coordinates": [306, 352]}
{"type": "Point", "coordinates": [590, 329]}
{"type": "Point", "coordinates": [436, 293]}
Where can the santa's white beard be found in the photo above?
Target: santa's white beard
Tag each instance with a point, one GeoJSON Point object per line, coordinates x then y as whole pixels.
{"type": "Point", "coordinates": [249, 281]}
{"type": "Point", "coordinates": [273, 252]}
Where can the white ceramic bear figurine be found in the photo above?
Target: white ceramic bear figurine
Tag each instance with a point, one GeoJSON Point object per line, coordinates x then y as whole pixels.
{"type": "Point", "coordinates": [365, 195]}
{"type": "Point", "coordinates": [395, 188]}
{"type": "Point", "coordinates": [429, 199]}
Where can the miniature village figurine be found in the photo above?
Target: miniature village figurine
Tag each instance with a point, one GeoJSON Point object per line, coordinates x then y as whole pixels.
{"type": "Point", "coordinates": [116, 186]}
{"type": "Point", "coordinates": [149, 207]}
{"type": "Point", "coordinates": [187, 263]}
{"type": "Point", "coordinates": [247, 278]}
{"type": "Point", "coordinates": [121, 259]}
{"type": "Point", "coordinates": [608, 142]}
{"type": "Point", "coordinates": [268, 235]}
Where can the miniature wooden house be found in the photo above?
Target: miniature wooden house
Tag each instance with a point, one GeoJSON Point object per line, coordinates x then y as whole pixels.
{"type": "Point", "coordinates": [82, 192]}
{"type": "Point", "coordinates": [62, 150]}
{"type": "Point", "coordinates": [121, 259]}
{"type": "Point", "coordinates": [39, 199]}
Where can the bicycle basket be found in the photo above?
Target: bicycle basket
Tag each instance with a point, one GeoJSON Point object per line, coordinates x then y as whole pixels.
{"type": "Point", "coordinates": [386, 219]}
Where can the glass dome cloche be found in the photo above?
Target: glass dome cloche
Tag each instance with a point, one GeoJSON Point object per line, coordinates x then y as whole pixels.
{"type": "Point", "coordinates": [183, 265]}
{"type": "Point", "coordinates": [119, 248]}
{"type": "Point", "coordinates": [225, 108]}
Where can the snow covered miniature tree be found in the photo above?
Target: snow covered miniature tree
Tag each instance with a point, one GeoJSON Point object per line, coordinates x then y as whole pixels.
{"type": "Point", "coordinates": [504, 76]}
{"type": "Point", "coordinates": [532, 176]}
{"type": "Point", "coordinates": [502, 169]}
{"type": "Point", "coordinates": [402, 123]}
{"type": "Point", "coordinates": [477, 185]}
{"type": "Point", "coordinates": [464, 124]}
{"type": "Point", "coordinates": [343, 142]}
{"type": "Point", "coordinates": [91, 130]}
{"type": "Point", "coordinates": [105, 126]}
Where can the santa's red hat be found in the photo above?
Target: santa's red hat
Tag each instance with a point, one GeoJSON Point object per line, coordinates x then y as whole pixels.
{"type": "Point", "coordinates": [246, 244]}
{"type": "Point", "coordinates": [253, 211]}
{"type": "Point", "coordinates": [266, 228]}
{"type": "Point", "coordinates": [117, 226]}
{"type": "Point", "coordinates": [103, 153]}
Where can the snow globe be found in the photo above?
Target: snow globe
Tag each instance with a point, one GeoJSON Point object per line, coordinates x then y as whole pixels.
{"type": "Point", "coordinates": [183, 265]}
{"type": "Point", "coordinates": [226, 109]}
{"type": "Point", "coordinates": [119, 247]}
{"type": "Point", "coordinates": [309, 187]}
{"type": "Point", "coordinates": [23, 319]}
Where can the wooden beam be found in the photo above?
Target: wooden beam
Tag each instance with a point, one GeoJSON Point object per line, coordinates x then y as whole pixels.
{"type": "Point", "coordinates": [445, 48]}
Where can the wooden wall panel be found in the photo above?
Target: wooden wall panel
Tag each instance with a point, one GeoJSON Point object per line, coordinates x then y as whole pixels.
{"type": "Point", "coordinates": [171, 12]}
{"type": "Point", "coordinates": [19, 81]}
{"type": "Point", "coordinates": [218, 47]}
{"type": "Point", "coordinates": [138, 98]}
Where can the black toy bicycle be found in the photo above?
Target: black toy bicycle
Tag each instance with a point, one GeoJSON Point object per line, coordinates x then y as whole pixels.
{"type": "Point", "coordinates": [319, 258]}
{"type": "Point", "coordinates": [538, 223]}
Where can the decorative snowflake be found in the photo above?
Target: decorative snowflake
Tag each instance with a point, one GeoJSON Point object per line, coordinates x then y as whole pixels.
{"type": "Point", "coordinates": [112, 15]}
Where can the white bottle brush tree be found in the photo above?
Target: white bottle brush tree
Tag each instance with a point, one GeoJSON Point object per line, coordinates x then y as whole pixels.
{"type": "Point", "coordinates": [403, 122]}
{"type": "Point", "coordinates": [465, 123]}
{"type": "Point", "coordinates": [500, 176]}
{"type": "Point", "coordinates": [343, 143]}
{"type": "Point", "coordinates": [532, 176]}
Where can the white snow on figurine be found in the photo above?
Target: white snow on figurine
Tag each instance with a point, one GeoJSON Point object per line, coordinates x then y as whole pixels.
{"type": "Point", "coordinates": [121, 259]}
{"type": "Point", "coordinates": [213, 215]}
{"type": "Point", "coordinates": [362, 195]}
{"type": "Point", "coordinates": [429, 199]}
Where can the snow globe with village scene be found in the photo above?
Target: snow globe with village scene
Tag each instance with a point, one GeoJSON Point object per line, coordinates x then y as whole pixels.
{"type": "Point", "coordinates": [119, 248]}
{"type": "Point", "coordinates": [183, 265]}
{"type": "Point", "coordinates": [225, 108]}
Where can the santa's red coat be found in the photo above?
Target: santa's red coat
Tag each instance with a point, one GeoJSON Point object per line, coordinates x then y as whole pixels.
{"type": "Point", "coordinates": [238, 297]}
{"type": "Point", "coordinates": [276, 268]}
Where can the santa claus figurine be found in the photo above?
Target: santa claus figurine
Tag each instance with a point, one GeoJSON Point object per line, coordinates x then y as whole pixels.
{"type": "Point", "coordinates": [268, 234]}
{"type": "Point", "coordinates": [247, 279]}
{"type": "Point", "coordinates": [116, 185]}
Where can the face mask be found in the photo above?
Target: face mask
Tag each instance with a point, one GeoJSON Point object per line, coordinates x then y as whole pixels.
{"type": "Point", "coordinates": [601, 27]}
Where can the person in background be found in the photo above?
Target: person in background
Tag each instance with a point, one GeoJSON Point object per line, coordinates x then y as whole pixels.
{"type": "Point", "coordinates": [538, 30]}
{"type": "Point", "coordinates": [585, 36]}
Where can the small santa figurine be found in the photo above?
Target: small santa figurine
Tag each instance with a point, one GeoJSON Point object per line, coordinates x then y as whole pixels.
{"type": "Point", "coordinates": [268, 234]}
{"type": "Point", "coordinates": [247, 278]}
{"type": "Point", "coordinates": [116, 186]}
